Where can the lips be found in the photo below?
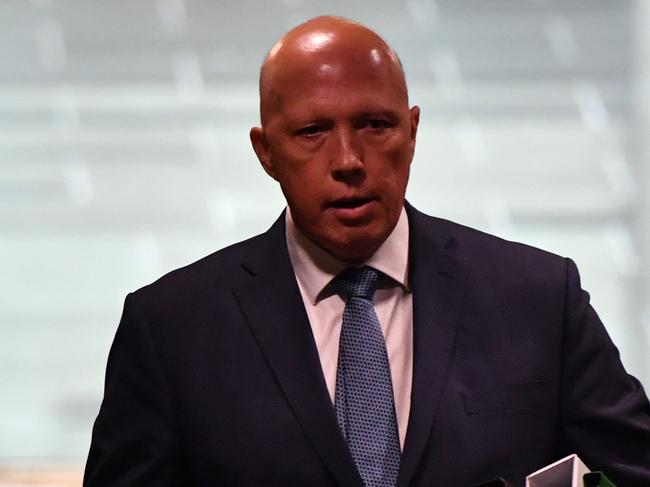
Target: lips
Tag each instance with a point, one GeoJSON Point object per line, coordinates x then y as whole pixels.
{"type": "Point", "coordinates": [353, 210]}
{"type": "Point", "coordinates": [349, 203]}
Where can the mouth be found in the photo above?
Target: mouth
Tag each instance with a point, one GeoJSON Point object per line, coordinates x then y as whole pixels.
{"type": "Point", "coordinates": [352, 210]}
{"type": "Point", "coordinates": [349, 203]}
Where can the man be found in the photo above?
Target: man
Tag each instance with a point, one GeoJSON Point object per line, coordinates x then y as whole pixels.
{"type": "Point", "coordinates": [240, 368]}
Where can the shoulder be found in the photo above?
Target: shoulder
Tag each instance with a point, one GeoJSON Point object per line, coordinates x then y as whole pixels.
{"type": "Point", "coordinates": [209, 277]}
{"type": "Point", "coordinates": [488, 257]}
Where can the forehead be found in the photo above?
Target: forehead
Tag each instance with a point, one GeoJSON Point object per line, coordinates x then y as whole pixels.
{"type": "Point", "coordinates": [344, 103]}
{"type": "Point", "coordinates": [335, 80]}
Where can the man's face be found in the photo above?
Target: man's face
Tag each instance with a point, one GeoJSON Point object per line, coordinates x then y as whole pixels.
{"type": "Point", "coordinates": [339, 138]}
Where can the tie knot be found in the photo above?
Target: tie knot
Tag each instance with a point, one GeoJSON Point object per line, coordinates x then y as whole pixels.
{"type": "Point", "coordinates": [359, 282]}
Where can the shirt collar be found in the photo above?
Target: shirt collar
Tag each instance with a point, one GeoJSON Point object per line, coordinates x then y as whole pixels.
{"type": "Point", "coordinates": [315, 267]}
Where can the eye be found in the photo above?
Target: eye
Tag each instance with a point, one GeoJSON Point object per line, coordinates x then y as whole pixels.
{"type": "Point", "coordinates": [309, 131]}
{"type": "Point", "coordinates": [377, 123]}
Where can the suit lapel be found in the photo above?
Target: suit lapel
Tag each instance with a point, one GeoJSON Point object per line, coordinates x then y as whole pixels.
{"type": "Point", "coordinates": [438, 283]}
{"type": "Point", "coordinates": [275, 312]}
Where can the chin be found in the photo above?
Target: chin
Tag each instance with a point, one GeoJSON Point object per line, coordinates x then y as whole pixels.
{"type": "Point", "coordinates": [357, 248]}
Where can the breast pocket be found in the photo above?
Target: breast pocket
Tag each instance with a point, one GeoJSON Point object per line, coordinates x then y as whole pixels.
{"type": "Point", "coordinates": [506, 398]}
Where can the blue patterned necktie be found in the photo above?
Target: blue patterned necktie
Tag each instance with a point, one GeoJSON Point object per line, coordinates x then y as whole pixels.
{"type": "Point", "coordinates": [364, 403]}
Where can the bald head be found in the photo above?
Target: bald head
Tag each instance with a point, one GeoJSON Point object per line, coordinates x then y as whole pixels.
{"type": "Point", "coordinates": [321, 46]}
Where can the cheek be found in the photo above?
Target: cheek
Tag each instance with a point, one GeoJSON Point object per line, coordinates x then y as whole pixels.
{"type": "Point", "coordinates": [396, 151]}
{"type": "Point", "coordinates": [297, 175]}
{"type": "Point", "coordinates": [301, 189]}
{"type": "Point", "coordinates": [394, 165]}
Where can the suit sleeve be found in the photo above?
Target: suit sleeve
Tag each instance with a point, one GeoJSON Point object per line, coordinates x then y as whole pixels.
{"type": "Point", "coordinates": [605, 411]}
{"type": "Point", "coordinates": [133, 440]}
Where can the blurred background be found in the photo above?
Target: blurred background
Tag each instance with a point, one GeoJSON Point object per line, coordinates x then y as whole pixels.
{"type": "Point", "coordinates": [124, 153]}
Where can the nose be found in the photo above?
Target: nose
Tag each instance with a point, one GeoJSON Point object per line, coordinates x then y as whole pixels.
{"type": "Point", "coordinates": [346, 156]}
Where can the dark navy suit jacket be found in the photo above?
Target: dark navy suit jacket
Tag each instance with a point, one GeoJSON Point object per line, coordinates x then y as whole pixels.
{"type": "Point", "coordinates": [214, 377]}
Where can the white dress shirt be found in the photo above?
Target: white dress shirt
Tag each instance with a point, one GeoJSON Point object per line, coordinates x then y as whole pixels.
{"type": "Point", "coordinates": [315, 268]}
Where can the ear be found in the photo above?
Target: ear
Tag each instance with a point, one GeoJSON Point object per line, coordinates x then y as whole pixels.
{"type": "Point", "coordinates": [415, 121]}
{"type": "Point", "coordinates": [261, 148]}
